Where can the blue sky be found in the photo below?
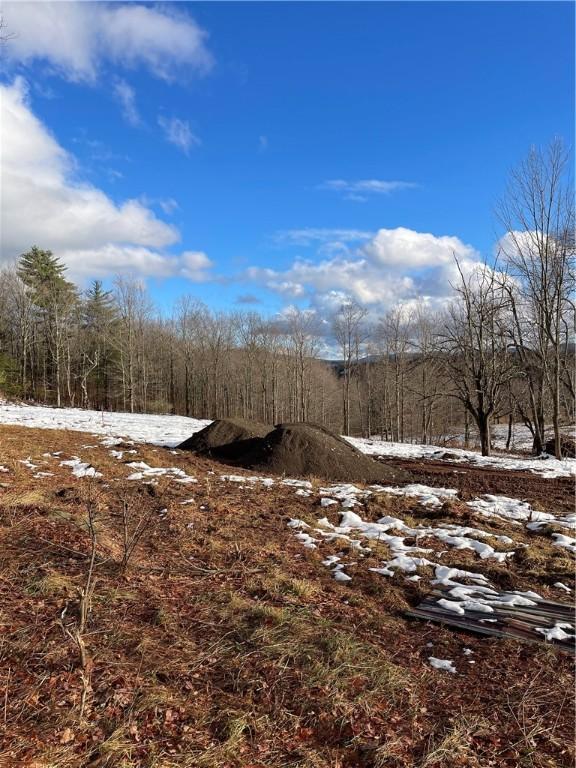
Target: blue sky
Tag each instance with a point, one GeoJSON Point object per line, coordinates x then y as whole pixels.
{"type": "Point", "coordinates": [277, 153]}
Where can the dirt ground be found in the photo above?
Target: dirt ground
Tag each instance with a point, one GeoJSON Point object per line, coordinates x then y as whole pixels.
{"type": "Point", "coordinates": [223, 642]}
{"type": "Point", "coordinates": [554, 495]}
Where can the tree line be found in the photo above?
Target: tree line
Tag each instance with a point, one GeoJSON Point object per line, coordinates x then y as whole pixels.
{"type": "Point", "coordinates": [502, 349]}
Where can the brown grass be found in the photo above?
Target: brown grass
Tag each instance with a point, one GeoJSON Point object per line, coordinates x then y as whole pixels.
{"type": "Point", "coordinates": [226, 644]}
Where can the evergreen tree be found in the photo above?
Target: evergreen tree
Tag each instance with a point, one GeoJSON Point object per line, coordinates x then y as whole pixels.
{"type": "Point", "coordinates": [55, 299]}
{"type": "Point", "coordinates": [43, 273]}
{"type": "Point", "coordinates": [98, 318]}
{"type": "Point", "coordinates": [98, 312]}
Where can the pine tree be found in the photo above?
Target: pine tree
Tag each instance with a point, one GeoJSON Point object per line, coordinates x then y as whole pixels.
{"type": "Point", "coordinates": [43, 273]}
{"type": "Point", "coordinates": [98, 318]}
{"type": "Point", "coordinates": [55, 299]}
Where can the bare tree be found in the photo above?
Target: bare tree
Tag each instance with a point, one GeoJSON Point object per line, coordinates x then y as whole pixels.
{"type": "Point", "coordinates": [395, 330]}
{"type": "Point", "coordinates": [302, 333]}
{"type": "Point", "coordinates": [425, 368]}
{"type": "Point", "coordinates": [5, 35]}
{"type": "Point", "coordinates": [475, 348]}
{"type": "Point", "coordinates": [350, 335]}
{"type": "Point", "coordinates": [538, 251]}
{"type": "Point", "coordinates": [134, 309]}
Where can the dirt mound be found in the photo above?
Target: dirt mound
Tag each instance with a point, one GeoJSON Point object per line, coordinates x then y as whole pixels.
{"type": "Point", "coordinates": [226, 438]}
{"type": "Point", "coordinates": [301, 450]}
{"type": "Point", "coordinates": [295, 450]}
{"type": "Point", "coordinates": [567, 445]}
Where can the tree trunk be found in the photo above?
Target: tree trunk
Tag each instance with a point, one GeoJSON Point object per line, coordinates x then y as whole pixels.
{"type": "Point", "coordinates": [483, 423]}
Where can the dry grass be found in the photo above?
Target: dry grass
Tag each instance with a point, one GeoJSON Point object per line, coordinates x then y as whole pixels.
{"type": "Point", "coordinates": [455, 745]}
{"type": "Point", "coordinates": [225, 644]}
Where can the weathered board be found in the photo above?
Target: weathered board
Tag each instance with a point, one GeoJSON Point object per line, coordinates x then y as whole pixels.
{"type": "Point", "coordinates": [514, 621]}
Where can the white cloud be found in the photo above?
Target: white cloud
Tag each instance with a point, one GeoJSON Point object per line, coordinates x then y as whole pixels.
{"type": "Point", "coordinates": [407, 248]}
{"type": "Point", "coordinates": [179, 133]}
{"type": "Point", "coordinates": [121, 259]}
{"type": "Point", "coordinates": [262, 143]}
{"type": "Point", "coordinates": [125, 94]}
{"type": "Point", "coordinates": [393, 266]}
{"type": "Point", "coordinates": [526, 244]}
{"type": "Point", "coordinates": [193, 265]}
{"type": "Point", "coordinates": [77, 39]}
{"type": "Point", "coordinates": [360, 190]}
{"type": "Point", "coordinates": [44, 203]}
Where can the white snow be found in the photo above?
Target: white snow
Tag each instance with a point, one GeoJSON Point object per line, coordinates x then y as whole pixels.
{"type": "Point", "coordinates": [308, 541]}
{"type": "Point", "coordinates": [557, 631]}
{"type": "Point", "coordinates": [80, 468]}
{"type": "Point", "coordinates": [465, 590]}
{"type": "Point", "coordinates": [339, 574]}
{"type": "Point", "coordinates": [521, 436]}
{"type": "Point", "coordinates": [568, 542]}
{"type": "Point", "coordinates": [507, 508]}
{"type": "Point", "coordinates": [546, 466]}
{"type": "Point", "coordinates": [145, 428]}
{"type": "Point", "coordinates": [294, 523]}
{"type": "Point", "coordinates": [28, 463]}
{"type": "Point", "coordinates": [305, 484]}
{"type": "Point", "coordinates": [146, 471]}
{"type": "Point", "coordinates": [267, 482]}
{"type": "Point", "coordinates": [427, 496]}
{"type": "Point", "coordinates": [454, 536]}
{"type": "Point", "coordinates": [445, 664]}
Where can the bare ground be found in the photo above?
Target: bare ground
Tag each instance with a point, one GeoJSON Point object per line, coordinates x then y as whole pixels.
{"type": "Point", "coordinates": [226, 643]}
{"type": "Point", "coordinates": [554, 495]}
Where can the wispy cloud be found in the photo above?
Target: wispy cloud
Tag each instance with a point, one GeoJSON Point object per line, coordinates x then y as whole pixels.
{"type": "Point", "coordinates": [362, 189]}
{"type": "Point", "coordinates": [169, 206]}
{"type": "Point", "coordinates": [262, 143]}
{"type": "Point", "coordinates": [179, 133]}
{"type": "Point", "coordinates": [126, 96]}
{"type": "Point", "coordinates": [309, 235]}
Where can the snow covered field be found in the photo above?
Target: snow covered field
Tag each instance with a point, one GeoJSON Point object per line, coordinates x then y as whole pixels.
{"type": "Point", "coordinates": [159, 430]}
{"type": "Point", "coordinates": [546, 466]}
{"type": "Point", "coordinates": [521, 436]}
{"type": "Point", "coordinates": [170, 430]}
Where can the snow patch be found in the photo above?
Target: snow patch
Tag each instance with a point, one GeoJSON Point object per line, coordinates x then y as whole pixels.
{"type": "Point", "coordinates": [445, 664]}
{"type": "Point", "coordinates": [80, 468]}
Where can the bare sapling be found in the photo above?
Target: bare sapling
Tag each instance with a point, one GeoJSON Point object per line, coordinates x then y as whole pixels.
{"type": "Point", "coordinates": [76, 629]}
{"type": "Point", "coordinates": [137, 515]}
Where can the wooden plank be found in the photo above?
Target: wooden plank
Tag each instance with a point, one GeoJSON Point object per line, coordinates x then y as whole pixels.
{"type": "Point", "coordinates": [513, 621]}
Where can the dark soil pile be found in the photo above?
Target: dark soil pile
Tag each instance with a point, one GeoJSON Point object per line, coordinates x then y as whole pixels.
{"type": "Point", "coordinates": [301, 450]}
{"type": "Point", "coordinates": [567, 445]}
{"type": "Point", "coordinates": [226, 438]}
{"type": "Point", "coordinates": [295, 450]}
